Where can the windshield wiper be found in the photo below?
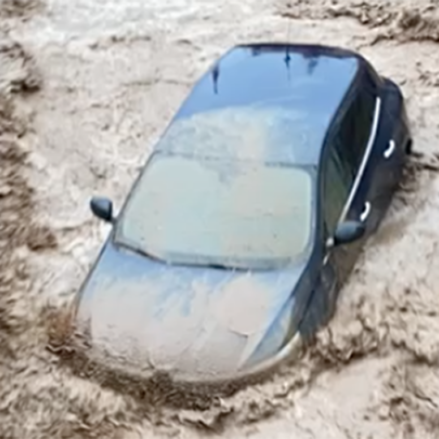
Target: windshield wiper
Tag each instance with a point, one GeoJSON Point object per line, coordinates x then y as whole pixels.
{"type": "Point", "coordinates": [141, 252]}
{"type": "Point", "coordinates": [215, 265]}
{"type": "Point", "coordinates": [219, 266]}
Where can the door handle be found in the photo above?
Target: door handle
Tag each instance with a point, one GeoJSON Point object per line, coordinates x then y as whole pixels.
{"type": "Point", "coordinates": [366, 211]}
{"type": "Point", "coordinates": [390, 149]}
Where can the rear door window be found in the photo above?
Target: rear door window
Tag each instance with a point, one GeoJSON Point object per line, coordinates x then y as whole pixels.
{"type": "Point", "coordinates": [353, 132]}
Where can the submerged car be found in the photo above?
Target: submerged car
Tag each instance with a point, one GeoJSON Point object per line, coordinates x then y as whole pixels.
{"type": "Point", "coordinates": [248, 216]}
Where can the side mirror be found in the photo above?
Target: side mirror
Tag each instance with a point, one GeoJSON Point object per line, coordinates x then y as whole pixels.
{"type": "Point", "coordinates": [102, 208]}
{"type": "Point", "coordinates": [348, 232]}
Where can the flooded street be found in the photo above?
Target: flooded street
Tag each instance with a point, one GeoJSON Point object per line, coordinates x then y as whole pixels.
{"type": "Point", "coordinates": [86, 88]}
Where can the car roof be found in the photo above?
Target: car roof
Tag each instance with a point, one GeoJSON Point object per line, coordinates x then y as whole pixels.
{"type": "Point", "coordinates": [292, 90]}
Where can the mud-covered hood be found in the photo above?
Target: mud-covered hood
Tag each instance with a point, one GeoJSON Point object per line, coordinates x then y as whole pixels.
{"type": "Point", "coordinates": [192, 322]}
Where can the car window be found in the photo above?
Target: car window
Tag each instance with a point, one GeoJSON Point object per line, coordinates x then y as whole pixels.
{"type": "Point", "coordinates": [202, 211]}
{"type": "Point", "coordinates": [335, 191]}
{"type": "Point", "coordinates": [266, 132]}
{"type": "Point", "coordinates": [353, 133]}
{"type": "Point", "coordinates": [345, 153]}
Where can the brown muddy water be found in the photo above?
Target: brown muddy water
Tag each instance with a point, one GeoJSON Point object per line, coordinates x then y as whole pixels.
{"type": "Point", "coordinates": [85, 89]}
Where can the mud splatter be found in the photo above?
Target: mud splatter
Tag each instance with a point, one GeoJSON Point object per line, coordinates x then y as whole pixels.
{"type": "Point", "coordinates": [392, 20]}
{"type": "Point", "coordinates": [371, 14]}
{"type": "Point", "coordinates": [413, 26]}
{"type": "Point", "coordinates": [23, 9]}
{"type": "Point", "coordinates": [18, 71]}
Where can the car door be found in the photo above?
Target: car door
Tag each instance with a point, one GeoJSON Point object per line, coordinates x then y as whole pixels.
{"type": "Point", "coordinates": [336, 182]}
{"type": "Point", "coordinates": [384, 168]}
{"type": "Point", "coordinates": [347, 181]}
{"type": "Point", "coordinates": [344, 196]}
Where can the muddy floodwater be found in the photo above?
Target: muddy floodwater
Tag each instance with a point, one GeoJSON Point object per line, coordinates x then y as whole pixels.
{"type": "Point", "coordinates": [86, 88]}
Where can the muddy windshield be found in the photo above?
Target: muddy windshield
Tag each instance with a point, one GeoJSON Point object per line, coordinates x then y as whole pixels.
{"type": "Point", "coordinates": [187, 210]}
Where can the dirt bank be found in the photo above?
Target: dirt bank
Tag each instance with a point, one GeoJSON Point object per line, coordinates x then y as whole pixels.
{"type": "Point", "coordinates": [85, 89]}
{"type": "Point", "coordinates": [28, 381]}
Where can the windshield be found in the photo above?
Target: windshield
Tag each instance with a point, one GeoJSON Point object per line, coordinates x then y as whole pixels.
{"type": "Point", "coordinates": [201, 211]}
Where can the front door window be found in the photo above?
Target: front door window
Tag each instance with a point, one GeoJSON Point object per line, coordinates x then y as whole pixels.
{"type": "Point", "coordinates": [335, 192]}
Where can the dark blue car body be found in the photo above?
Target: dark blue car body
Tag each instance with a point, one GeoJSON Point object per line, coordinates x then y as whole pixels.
{"type": "Point", "coordinates": [355, 145]}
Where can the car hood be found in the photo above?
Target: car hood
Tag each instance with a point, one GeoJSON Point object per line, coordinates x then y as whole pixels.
{"type": "Point", "coordinates": [191, 322]}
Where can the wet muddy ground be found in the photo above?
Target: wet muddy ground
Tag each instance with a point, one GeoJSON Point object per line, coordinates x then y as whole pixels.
{"type": "Point", "coordinates": [85, 89]}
